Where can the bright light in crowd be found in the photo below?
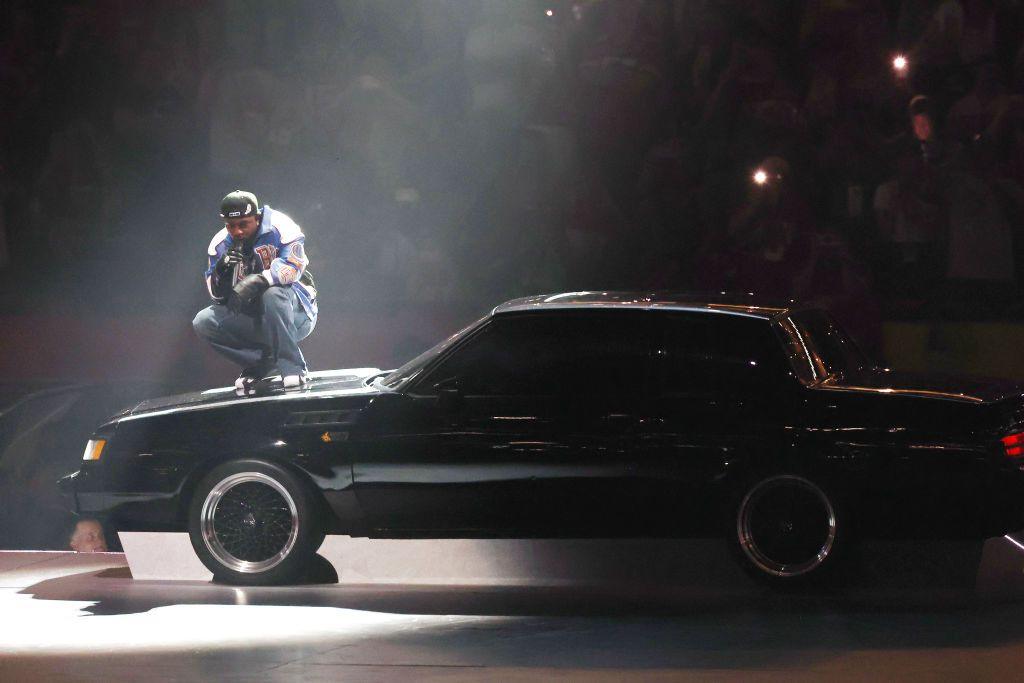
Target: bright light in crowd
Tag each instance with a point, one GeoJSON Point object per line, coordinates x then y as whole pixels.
{"type": "Point", "coordinates": [550, 13]}
{"type": "Point", "coordinates": [760, 177]}
{"type": "Point", "coordinates": [899, 63]}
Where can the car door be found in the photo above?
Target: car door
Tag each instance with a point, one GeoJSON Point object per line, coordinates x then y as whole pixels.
{"type": "Point", "coordinates": [525, 428]}
{"type": "Point", "coordinates": [722, 388]}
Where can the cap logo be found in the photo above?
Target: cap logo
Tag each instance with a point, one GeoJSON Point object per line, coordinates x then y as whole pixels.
{"type": "Point", "coordinates": [232, 214]}
{"type": "Point", "coordinates": [248, 208]}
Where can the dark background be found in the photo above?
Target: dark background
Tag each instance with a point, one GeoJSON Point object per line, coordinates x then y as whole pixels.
{"type": "Point", "coordinates": [445, 155]}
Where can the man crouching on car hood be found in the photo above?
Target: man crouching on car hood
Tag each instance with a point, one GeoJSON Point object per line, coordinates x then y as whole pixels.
{"type": "Point", "coordinates": [263, 293]}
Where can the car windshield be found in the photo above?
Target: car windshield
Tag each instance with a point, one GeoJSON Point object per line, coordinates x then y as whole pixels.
{"type": "Point", "coordinates": [413, 367]}
{"type": "Point", "coordinates": [830, 350]}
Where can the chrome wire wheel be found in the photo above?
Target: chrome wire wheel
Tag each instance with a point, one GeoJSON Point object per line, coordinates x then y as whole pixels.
{"type": "Point", "coordinates": [249, 522]}
{"type": "Point", "coordinates": [786, 526]}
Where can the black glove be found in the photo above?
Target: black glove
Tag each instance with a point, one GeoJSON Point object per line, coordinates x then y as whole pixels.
{"type": "Point", "coordinates": [229, 260]}
{"type": "Point", "coordinates": [246, 292]}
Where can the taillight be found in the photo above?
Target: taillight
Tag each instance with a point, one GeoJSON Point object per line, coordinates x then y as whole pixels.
{"type": "Point", "coordinates": [1014, 445]}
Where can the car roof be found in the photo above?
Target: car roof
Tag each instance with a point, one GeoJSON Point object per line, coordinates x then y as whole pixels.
{"type": "Point", "coordinates": [747, 305]}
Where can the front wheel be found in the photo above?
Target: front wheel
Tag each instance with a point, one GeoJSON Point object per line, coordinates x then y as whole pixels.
{"type": "Point", "coordinates": [788, 531]}
{"type": "Point", "coordinates": [254, 523]}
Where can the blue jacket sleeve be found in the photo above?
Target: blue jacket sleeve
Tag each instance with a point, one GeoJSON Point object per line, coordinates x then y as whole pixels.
{"type": "Point", "coordinates": [290, 263]}
{"type": "Point", "coordinates": [217, 284]}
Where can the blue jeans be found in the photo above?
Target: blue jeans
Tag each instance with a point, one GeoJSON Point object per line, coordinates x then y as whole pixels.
{"type": "Point", "coordinates": [270, 339]}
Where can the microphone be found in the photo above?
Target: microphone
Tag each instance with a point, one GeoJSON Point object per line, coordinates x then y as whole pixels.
{"type": "Point", "coordinates": [239, 270]}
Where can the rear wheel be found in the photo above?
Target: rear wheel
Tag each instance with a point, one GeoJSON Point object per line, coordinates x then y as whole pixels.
{"type": "Point", "coordinates": [254, 523]}
{"type": "Point", "coordinates": [788, 531]}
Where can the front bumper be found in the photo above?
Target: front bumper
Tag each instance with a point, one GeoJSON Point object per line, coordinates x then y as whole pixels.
{"type": "Point", "coordinates": [88, 493]}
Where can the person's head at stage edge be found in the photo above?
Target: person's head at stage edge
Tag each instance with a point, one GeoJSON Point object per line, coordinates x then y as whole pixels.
{"type": "Point", "coordinates": [88, 537]}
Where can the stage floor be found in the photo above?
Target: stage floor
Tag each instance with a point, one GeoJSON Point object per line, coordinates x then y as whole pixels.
{"type": "Point", "coordinates": [82, 617]}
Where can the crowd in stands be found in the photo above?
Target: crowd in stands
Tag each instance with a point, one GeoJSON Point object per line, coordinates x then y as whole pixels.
{"type": "Point", "coordinates": [468, 151]}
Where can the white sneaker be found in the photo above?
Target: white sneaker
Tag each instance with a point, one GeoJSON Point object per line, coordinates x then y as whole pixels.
{"type": "Point", "coordinates": [245, 386]}
{"type": "Point", "coordinates": [246, 383]}
{"type": "Point", "coordinates": [293, 382]}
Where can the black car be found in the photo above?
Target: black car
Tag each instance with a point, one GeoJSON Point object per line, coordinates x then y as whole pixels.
{"type": "Point", "coordinates": [578, 415]}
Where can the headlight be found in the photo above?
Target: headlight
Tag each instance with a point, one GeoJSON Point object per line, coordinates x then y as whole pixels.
{"type": "Point", "coordinates": [94, 449]}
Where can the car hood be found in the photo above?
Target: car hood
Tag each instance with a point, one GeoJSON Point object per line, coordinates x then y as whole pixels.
{"type": "Point", "coordinates": [350, 381]}
{"type": "Point", "coordinates": [948, 387]}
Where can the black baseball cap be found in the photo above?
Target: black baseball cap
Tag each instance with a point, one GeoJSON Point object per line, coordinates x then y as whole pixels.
{"type": "Point", "coordinates": [239, 204]}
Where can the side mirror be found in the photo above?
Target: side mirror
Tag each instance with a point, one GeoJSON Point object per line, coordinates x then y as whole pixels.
{"type": "Point", "coordinates": [449, 396]}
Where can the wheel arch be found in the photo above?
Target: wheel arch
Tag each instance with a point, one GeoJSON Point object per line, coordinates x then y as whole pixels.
{"type": "Point", "coordinates": [828, 460]}
{"type": "Point", "coordinates": [188, 486]}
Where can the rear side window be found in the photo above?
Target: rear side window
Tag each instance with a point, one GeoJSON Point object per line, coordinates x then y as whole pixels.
{"type": "Point", "coordinates": [560, 354]}
{"type": "Point", "coordinates": [832, 351]}
{"type": "Point", "coordinates": [713, 354]}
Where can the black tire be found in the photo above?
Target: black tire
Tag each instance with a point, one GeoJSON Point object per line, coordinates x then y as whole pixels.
{"type": "Point", "coordinates": [254, 523]}
{"type": "Point", "coordinates": [789, 531]}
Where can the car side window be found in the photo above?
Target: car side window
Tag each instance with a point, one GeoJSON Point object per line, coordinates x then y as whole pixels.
{"type": "Point", "coordinates": [549, 354]}
{"type": "Point", "coordinates": [711, 354]}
